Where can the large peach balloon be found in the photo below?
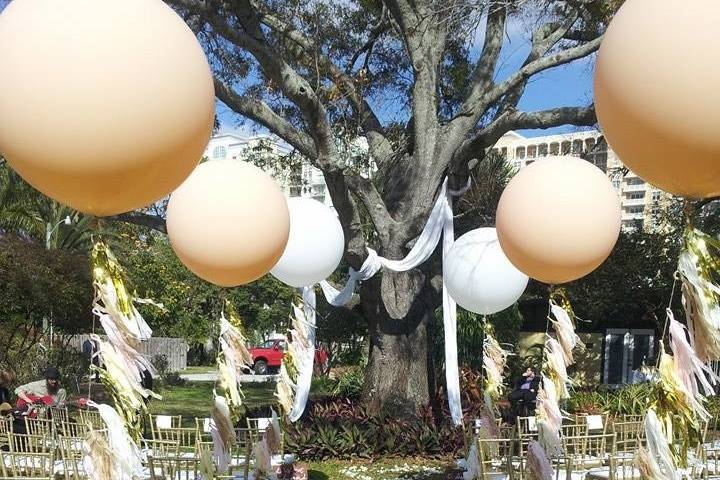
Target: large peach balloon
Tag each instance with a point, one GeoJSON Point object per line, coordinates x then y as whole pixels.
{"type": "Point", "coordinates": [105, 105]}
{"type": "Point", "coordinates": [656, 93]}
{"type": "Point", "coordinates": [558, 219]}
{"type": "Point", "coordinates": [228, 222]}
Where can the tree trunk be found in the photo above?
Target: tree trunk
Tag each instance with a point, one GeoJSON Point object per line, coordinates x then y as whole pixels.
{"type": "Point", "coordinates": [400, 309]}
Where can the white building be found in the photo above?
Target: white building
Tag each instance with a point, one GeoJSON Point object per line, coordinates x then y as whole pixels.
{"type": "Point", "coordinates": [640, 201]}
{"type": "Point", "coordinates": [298, 178]}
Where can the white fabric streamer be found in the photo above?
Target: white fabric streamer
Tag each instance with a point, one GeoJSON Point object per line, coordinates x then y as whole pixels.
{"type": "Point", "coordinates": [304, 348]}
{"type": "Point", "coordinates": [440, 223]}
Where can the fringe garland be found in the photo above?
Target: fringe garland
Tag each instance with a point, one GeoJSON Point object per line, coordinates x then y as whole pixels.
{"type": "Point", "coordinates": [494, 362]}
{"type": "Point", "coordinates": [122, 364]}
{"type": "Point", "coordinates": [97, 456]}
{"type": "Point", "coordinates": [128, 395]}
{"type": "Point", "coordinates": [656, 463]}
{"type": "Point", "coordinates": [126, 458]}
{"type": "Point", "coordinates": [699, 268]}
{"type": "Point", "coordinates": [538, 464]}
{"type": "Point", "coordinates": [691, 372]}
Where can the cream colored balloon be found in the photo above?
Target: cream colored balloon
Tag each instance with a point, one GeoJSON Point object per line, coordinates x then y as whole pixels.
{"type": "Point", "coordinates": [656, 93]}
{"type": "Point", "coordinates": [228, 222]}
{"type": "Point", "coordinates": [105, 105]}
{"type": "Point", "coordinates": [558, 219]}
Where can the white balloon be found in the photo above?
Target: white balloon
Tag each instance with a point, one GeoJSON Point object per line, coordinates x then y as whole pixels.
{"type": "Point", "coordinates": [478, 275]}
{"type": "Point", "coordinates": [315, 247]}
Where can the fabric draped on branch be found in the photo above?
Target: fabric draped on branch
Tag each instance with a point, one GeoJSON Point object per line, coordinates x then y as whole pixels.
{"type": "Point", "coordinates": [439, 224]}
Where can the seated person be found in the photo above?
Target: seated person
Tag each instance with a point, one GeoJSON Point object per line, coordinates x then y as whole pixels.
{"type": "Point", "coordinates": [523, 397]}
{"type": "Point", "coordinates": [48, 391]}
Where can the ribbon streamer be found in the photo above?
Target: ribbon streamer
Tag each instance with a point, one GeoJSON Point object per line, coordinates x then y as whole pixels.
{"type": "Point", "coordinates": [440, 223]}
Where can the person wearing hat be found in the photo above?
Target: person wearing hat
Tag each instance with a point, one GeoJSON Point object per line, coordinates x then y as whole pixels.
{"type": "Point", "coordinates": [47, 391]}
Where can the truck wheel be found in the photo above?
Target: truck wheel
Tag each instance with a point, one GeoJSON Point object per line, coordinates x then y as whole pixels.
{"type": "Point", "coordinates": [261, 367]}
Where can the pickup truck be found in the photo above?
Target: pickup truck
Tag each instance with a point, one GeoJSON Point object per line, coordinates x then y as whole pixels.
{"type": "Point", "coordinates": [268, 356]}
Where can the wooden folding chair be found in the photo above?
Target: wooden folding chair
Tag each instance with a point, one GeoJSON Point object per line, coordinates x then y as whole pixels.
{"type": "Point", "coordinates": [162, 448]}
{"type": "Point", "coordinates": [39, 426]}
{"type": "Point", "coordinates": [496, 457]}
{"type": "Point", "coordinates": [173, 468]}
{"type": "Point", "coordinates": [71, 454]}
{"type": "Point", "coordinates": [158, 423]}
{"type": "Point", "coordinates": [20, 443]}
{"type": "Point", "coordinates": [28, 466]}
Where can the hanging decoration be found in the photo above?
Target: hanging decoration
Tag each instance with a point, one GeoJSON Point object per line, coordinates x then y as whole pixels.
{"type": "Point", "coordinates": [97, 457]}
{"type": "Point", "coordinates": [124, 453]}
{"type": "Point", "coordinates": [228, 222]}
{"type": "Point", "coordinates": [656, 463]}
{"type": "Point", "coordinates": [127, 393]}
{"type": "Point", "coordinates": [315, 246]}
{"type": "Point", "coordinates": [537, 463]}
{"type": "Point", "coordinates": [478, 275]}
{"type": "Point", "coordinates": [665, 134]}
{"type": "Point", "coordinates": [699, 269]}
{"type": "Point", "coordinates": [139, 150]}
{"type": "Point", "coordinates": [233, 359]}
{"type": "Point", "coordinates": [223, 434]}
{"type": "Point", "coordinates": [696, 377]}
{"type": "Point", "coordinates": [542, 221]}
{"type": "Point", "coordinates": [494, 362]}
{"type": "Point", "coordinates": [302, 348]}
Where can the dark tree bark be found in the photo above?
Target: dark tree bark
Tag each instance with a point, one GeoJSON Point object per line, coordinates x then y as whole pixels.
{"type": "Point", "coordinates": [310, 76]}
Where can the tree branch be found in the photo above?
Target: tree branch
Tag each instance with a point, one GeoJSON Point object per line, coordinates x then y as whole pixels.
{"type": "Point", "coordinates": [514, 120]}
{"type": "Point", "coordinates": [142, 219]}
{"type": "Point", "coordinates": [261, 113]}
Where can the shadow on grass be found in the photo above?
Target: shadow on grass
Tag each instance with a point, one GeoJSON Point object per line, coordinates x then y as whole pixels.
{"type": "Point", "coordinates": [315, 475]}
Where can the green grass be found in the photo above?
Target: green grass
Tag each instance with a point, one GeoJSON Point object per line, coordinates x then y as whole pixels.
{"type": "Point", "coordinates": [383, 469]}
{"type": "Point", "coordinates": [195, 399]}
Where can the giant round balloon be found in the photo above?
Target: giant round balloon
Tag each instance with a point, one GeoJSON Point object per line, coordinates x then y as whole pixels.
{"type": "Point", "coordinates": [657, 102]}
{"type": "Point", "coordinates": [315, 247]}
{"type": "Point", "coordinates": [228, 222]}
{"type": "Point", "coordinates": [478, 275]}
{"type": "Point", "coordinates": [105, 105]}
{"type": "Point", "coordinates": [558, 219]}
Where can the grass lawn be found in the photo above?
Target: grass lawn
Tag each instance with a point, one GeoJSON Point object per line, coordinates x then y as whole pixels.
{"type": "Point", "coordinates": [384, 469]}
{"type": "Point", "coordinates": [195, 399]}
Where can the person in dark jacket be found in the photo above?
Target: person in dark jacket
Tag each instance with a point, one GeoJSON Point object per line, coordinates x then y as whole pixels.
{"type": "Point", "coordinates": [522, 398]}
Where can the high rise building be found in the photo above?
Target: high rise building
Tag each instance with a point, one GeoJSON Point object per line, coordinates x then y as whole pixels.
{"type": "Point", "coordinates": [641, 202]}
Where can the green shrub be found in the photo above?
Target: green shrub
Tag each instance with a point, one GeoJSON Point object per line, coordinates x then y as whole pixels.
{"type": "Point", "coordinates": [344, 429]}
{"type": "Point", "coordinates": [350, 384]}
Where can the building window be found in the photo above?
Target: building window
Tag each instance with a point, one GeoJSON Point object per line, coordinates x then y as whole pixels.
{"type": "Point", "coordinates": [520, 153]}
{"type": "Point", "coordinates": [598, 154]}
{"type": "Point", "coordinates": [532, 151]}
{"type": "Point", "coordinates": [554, 148]}
{"type": "Point", "coordinates": [635, 181]}
{"type": "Point", "coordinates": [219, 152]}
{"type": "Point", "coordinates": [565, 147]}
{"type": "Point", "coordinates": [543, 150]}
{"type": "Point", "coordinates": [577, 148]}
